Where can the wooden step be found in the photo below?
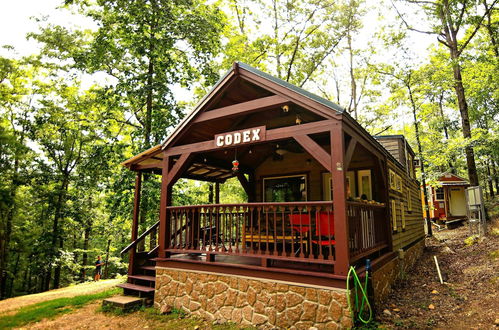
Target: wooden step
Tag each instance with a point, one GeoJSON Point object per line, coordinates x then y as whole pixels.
{"type": "Point", "coordinates": [135, 287]}
{"type": "Point", "coordinates": [143, 278]}
{"type": "Point", "coordinates": [125, 303]}
{"type": "Point", "coordinates": [148, 268]}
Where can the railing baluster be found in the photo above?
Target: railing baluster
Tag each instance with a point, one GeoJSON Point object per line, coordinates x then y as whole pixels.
{"type": "Point", "coordinates": [275, 231]}
{"type": "Point", "coordinates": [283, 253]}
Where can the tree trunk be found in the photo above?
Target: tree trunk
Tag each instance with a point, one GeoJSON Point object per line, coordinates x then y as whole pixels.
{"type": "Point", "coordinates": [496, 178]}
{"type": "Point", "coordinates": [84, 261]}
{"type": "Point", "coordinates": [56, 231]}
{"type": "Point", "coordinates": [420, 151]}
{"type": "Point", "coordinates": [465, 121]}
{"type": "Point", "coordinates": [489, 180]}
{"type": "Point", "coordinates": [353, 84]}
{"type": "Point", "coordinates": [106, 261]}
{"type": "Point", "coordinates": [446, 132]}
{"type": "Point", "coordinates": [15, 271]}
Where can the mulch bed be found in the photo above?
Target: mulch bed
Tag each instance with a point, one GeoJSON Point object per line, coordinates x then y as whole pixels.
{"type": "Point", "coordinates": [469, 297]}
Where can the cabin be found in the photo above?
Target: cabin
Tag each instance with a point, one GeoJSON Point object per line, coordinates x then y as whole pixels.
{"type": "Point", "coordinates": [323, 195]}
{"type": "Point", "coordinates": [447, 198]}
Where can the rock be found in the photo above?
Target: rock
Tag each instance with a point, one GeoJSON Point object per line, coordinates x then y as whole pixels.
{"type": "Point", "coordinates": [166, 309]}
{"type": "Point", "coordinates": [313, 328]}
{"type": "Point", "coordinates": [431, 306]}
{"type": "Point", "coordinates": [387, 312]}
{"type": "Point", "coordinates": [496, 322]}
{"type": "Point", "coordinates": [447, 250]}
{"type": "Point", "coordinates": [196, 327]}
{"type": "Point", "coordinates": [396, 310]}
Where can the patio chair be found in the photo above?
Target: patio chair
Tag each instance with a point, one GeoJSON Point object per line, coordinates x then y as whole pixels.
{"type": "Point", "coordinates": [300, 224]}
{"type": "Point", "coordinates": [324, 231]}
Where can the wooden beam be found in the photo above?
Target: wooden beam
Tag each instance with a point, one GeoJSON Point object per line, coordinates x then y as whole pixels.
{"type": "Point", "coordinates": [217, 193]}
{"type": "Point", "coordinates": [342, 257]}
{"type": "Point", "coordinates": [178, 168]}
{"type": "Point", "coordinates": [138, 167]}
{"type": "Point", "coordinates": [164, 226]}
{"type": "Point", "coordinates": [314, 150]}
{"type": "Point", "coordinates": [238, 109]}
{"type": "Point", "coordinates": [349, 153]}
{"type": "Point", "coordinates": [295, 97]}
{"type": "Point", "coordinates": [271, 135]}
{"type": "Point", "coordinates": [361, 139]}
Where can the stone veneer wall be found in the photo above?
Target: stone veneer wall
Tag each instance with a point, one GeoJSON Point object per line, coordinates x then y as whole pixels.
{"type": "Point", "coordinates": [385, 277]}
{"type": "Point", "coordinates": [251, 301]}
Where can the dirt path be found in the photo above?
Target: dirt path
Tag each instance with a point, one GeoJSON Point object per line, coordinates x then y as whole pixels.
{"type": "Point", "coordinates": [71, 291]}
{"type": "Point", "coordinates": [90, 317]}
{"type": "Point", "coordinates": [469, 298]}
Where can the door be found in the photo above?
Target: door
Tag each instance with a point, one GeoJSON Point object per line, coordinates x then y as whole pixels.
{"type": "Point", "coordinates": [457, 202]}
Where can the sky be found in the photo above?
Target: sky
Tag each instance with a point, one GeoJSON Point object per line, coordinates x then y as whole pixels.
{"type": "Point", "coordinates": [17, 19]}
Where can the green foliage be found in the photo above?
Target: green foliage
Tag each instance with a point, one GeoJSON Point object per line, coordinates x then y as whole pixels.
{"type": "Point", "coordinates": [50, 309]}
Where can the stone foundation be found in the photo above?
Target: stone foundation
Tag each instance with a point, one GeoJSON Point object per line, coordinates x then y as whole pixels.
{"type": "Point", "coordinates": [250, 301]}
{"type": "Point", "coordinates": [397, 268]}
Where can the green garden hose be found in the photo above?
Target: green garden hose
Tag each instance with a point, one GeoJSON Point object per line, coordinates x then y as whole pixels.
{"type": "Point", "coordinates": [358, 287]}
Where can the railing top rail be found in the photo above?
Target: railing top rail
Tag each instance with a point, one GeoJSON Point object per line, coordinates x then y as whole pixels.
{"type": "Point", "coordinates": [366, 204]}
{"type": "Point", "coordinates": [141, 237]}
{"type": "Point", "coordinates": [284, 204]}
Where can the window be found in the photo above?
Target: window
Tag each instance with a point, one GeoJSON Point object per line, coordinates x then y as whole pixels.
{"type": "Point", "coordinates": [365, 185]}
{"type": "Point", "coordinates": [439, 194]}
{"type": "Point", "coordinates": [402, 212]}
{"type": "Point", "coordinates": [351, 187]}
{"type": "Point", "coordinates": [394, 215]}
{"type": "Point", "coordinates": [398, 181]}
{"type": "Point", "coordinates": [391, 179]}
{"type": "Point", "coordinates": [285, 188]}
{"type": "Point", "coordinates": [410, 164]}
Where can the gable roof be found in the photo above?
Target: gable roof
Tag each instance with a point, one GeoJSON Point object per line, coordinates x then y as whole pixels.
{"type": "Point", "coordinates": [232, 73]}
{"type": "Point", "coordinates": [448, 178]}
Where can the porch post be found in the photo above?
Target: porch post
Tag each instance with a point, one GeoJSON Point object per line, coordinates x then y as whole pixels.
{"type": "Point", "coordinates": [164, 228]}
{"type": "Point", "coordinates": [135, 223]}
{"type": "Point", "coordinates": [217, 193]}
{"type": "Point", "coordinates": [342, 259]}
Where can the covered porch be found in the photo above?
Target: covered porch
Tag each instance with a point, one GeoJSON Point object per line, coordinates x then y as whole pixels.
{"type": "Point", "coordinates": [315, 181]}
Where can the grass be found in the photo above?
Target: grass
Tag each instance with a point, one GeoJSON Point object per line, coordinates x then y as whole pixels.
{"type": "Point", "coordinates": [50, 309]}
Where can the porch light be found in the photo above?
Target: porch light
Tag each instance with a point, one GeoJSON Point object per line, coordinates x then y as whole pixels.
{"type": "Point", "coordinates": [285, 108]}
{"type": "Point", "coordinates": [279, 150]}
{"type": "Point", "coordinates": [298, 120]}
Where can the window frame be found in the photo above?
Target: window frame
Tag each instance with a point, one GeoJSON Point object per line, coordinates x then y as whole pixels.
{"type": "Point", "coordinates": [283, 177]}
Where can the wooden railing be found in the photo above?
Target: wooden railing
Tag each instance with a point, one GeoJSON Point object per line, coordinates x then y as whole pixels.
{"type": "Point", "coordinates": [295, 231]}
{"type": "Point", "coordinates": [150, 231]}
{"type": "Point", "coordinates": [368, 229]}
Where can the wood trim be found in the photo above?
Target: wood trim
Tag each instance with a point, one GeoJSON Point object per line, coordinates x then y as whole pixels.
{"type": "Point", "coordinates": [164, 201]}
{"type": "Point", "coordinates": [314, 150]}
{"type": "Point", "coordinates": [238, 109]}
{"type": "Point", "coordinates": [339, 200]}
{"type": "Point", "coordinates": [178, 168]}
{"type": "Point", "coordinates": [297, 98]}
{"type": "Point", "coordinates": [271, 135]}
{"type": "Point", "coordinates": [349, 153]}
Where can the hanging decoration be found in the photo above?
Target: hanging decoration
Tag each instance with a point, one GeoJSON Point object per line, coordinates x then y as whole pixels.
{"type": "Point", "coordinates": [235, 163]}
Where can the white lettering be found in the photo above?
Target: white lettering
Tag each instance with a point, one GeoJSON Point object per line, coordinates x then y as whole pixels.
{"type": "Point", "coordinates": [228, 139]}
{"type": "Point", "coordinates": [220, 141]}
{"type": "Point", "coordinates": [256, 135]}
{"type": "Point", "coordinates": [237, 138]}
{"type": "Point", "coordinates": [246, 136]}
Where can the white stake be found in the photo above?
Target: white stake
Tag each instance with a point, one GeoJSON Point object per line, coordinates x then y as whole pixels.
{"type": "Point", "coordinates": [438, 270]}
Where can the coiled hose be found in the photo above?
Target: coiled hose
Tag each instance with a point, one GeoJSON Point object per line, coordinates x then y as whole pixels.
{"type": "Point", "coordinates": [364, 302]}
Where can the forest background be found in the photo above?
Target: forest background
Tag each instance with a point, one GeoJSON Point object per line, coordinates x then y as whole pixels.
{"type": "Point", "coordinates": [93, 95]}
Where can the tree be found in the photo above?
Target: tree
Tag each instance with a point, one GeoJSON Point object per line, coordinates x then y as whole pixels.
{"type": "Point", "coordinates": [448, 18]}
